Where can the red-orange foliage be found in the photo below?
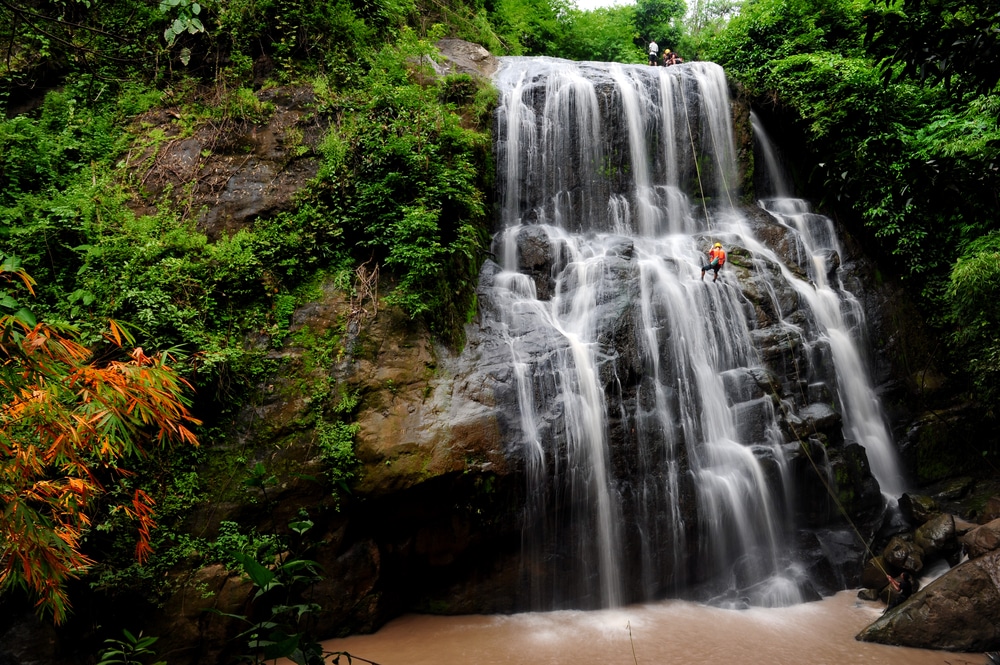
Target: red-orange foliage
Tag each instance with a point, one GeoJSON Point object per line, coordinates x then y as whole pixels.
{"type": "Point", "coordinates": [63, 415]}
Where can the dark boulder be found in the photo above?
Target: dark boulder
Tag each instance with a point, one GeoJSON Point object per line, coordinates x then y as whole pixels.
{"type": "Point", "coordinates": [956, 612]}
{"type": "Point", "coordinates": [936, 536]}
{"type": "Point", "coordinates": [918, 508]}
{"type": "Point", "coordinates": [991, 510]}
{"type": "Point", "coordinates": [903, 554]}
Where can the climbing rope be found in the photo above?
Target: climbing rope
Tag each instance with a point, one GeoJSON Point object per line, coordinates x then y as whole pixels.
{"type": "Point", "coordinates": [694, 156]}
{"type": "Point", "coordinates": [829, 490]}
{"type": "Point", "coordinates": [697, 167]}
{"type": "Point", "coordinates": [802, 444]}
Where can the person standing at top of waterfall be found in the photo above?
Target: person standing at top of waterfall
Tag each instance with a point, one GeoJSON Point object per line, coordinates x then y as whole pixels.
{"type": "Point", "coordinates": [716, 259]}
{"type": "Point", "coordinates": [654, 52]}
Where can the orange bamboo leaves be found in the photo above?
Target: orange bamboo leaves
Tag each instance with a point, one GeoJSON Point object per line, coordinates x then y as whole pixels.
{"type": "Point", "coordinates": [64, 415]}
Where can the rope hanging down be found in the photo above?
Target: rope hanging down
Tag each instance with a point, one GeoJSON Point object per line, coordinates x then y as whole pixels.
{"type": "Point", "coordinates": [697, 167]}
{"type": "Point", "coordinates": [802, 444]}
{"type": "Point", "coordinates": [826, 485]}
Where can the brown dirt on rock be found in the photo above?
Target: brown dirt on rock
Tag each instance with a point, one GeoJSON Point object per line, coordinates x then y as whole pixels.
{"type": "Point", "coordinates": [227, 173]}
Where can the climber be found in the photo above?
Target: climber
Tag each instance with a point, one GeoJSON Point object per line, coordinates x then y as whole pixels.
{"type": "Point", "coordinates": [671, 58]}
{"type": "Point", "coordinates": [716, 259]}
{"type": "Point", "coordinates": [903, 588]}
{"type": "Point", "coordinates": [654, 52]}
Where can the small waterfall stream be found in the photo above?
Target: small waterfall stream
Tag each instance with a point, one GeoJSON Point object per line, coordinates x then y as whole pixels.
{"type": "Point", "coordinates": [658, 414]}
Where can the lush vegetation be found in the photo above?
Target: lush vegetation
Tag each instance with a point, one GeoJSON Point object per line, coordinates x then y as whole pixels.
{"type": "Point", "coordinates": [894, 105]}
{"type": "Point", "coordinates": [402, 191]}
{"type": "Point", "coordinates": [71, 417]}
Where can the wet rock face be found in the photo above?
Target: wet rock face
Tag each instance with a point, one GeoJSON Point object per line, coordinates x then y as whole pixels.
{"type": "Point", "coordinates": [957, 611]}
{"type": "Point", "coordinates": [936, 535]}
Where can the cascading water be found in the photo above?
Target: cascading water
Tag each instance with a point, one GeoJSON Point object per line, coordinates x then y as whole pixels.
{"type": "Point", "coordinates": [657, 412]}
{"type": "Point", "coordinates": [841, 318]}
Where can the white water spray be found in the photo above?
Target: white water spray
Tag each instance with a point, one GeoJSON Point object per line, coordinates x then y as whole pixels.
{"type": "Point", "coordinates": [655, 448]}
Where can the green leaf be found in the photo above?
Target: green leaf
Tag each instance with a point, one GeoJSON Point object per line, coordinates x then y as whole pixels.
{"type": "Point", "coordinates": [282, 649]}
{"type": "Point", "coordinates": [25, 316]}
{"type": "Point", "coordinates": [10, 264]}
{"type": "Point", "coordinates": [260, 575]}
{"type": "Point", "coordinates": [301, 527]}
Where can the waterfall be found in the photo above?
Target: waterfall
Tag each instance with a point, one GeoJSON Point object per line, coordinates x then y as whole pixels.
{"type": "Point", "coordinates": [658, 414]}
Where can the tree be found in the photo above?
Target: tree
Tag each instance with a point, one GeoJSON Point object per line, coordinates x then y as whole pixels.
{"type": "Point", "coordinates": [951, 41]}
{"type": "Point", "coordinates": [531, 27]}
{"type": "Point", "coordinates": [707, 13]}
{"type": "Point", "coordinates": [659, 20]}
{"type": "Point", "coordinates": [67, 417]}
{"type": "Point", "coordinates": [604, 35]}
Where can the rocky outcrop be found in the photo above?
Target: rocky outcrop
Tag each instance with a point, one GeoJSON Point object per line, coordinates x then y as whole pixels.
{"type": "Point", "coordinates": [462, 57]}
{"type": "Point", "coordinates": [982, 540]}
{"type": "Point", "coordinates": [230, 174]}
{"type": "Point", "coordinates": [957, 612]}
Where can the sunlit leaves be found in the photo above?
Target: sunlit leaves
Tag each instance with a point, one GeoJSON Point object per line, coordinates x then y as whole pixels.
{"type": "Point", "coordinates": [659, 20]}
{"type": "Point", "coordinates": [66, 418]}
{"type": "Point", "coordinates": [185, 19]}
{"type": "Point", "coordinates": [606, 34]}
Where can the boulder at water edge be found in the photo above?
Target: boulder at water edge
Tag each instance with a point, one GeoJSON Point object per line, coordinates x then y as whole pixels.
{"type": "Point", "coordinates": [959, 611]}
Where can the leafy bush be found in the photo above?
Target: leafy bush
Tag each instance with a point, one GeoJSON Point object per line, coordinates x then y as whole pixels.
{"type": "Point", "coordinates": [403, 180]}
{"type": "Point", "coordinates": [604, 34]}
{"type": "Point", "coordinates": [767, 31]}
{"type": "Point", "coordinates": [974, 294]}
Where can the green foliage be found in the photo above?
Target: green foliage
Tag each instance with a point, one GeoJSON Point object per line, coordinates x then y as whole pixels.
{"type": "Point", "coordinates": [605, 35]}
{"type": "Point", "coordinates": [185, 19]}
{"type": "Point", "coordinates": [951, 41]}
{"type": "Point", "coordinates": [10, 299]}
{"type": "Point", "coordinates": [767, 31]}
{"type": "Point", "coordinates": [132, 650]}
{"type": "Point", "coordinates": [706, 20]}
{"type": "Point", "coordinates": [658, 20]}
{"type": "Point", "coordinates": [402, 179]}
{"type": "Point", "coordinates": [235, 542]}
{"type": "Point", "coordinates": [284, 630]}
{"type": "Point", "coordinates": [50, 151]}
{"type": "Point", "coordinates": [103, 41]}
{"type": "Point", "coordinates": [336, 444]}
{"type": "Point", "coordinates": [531, 27]}
{"type": "Point", "coordinates": [974, 295]}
